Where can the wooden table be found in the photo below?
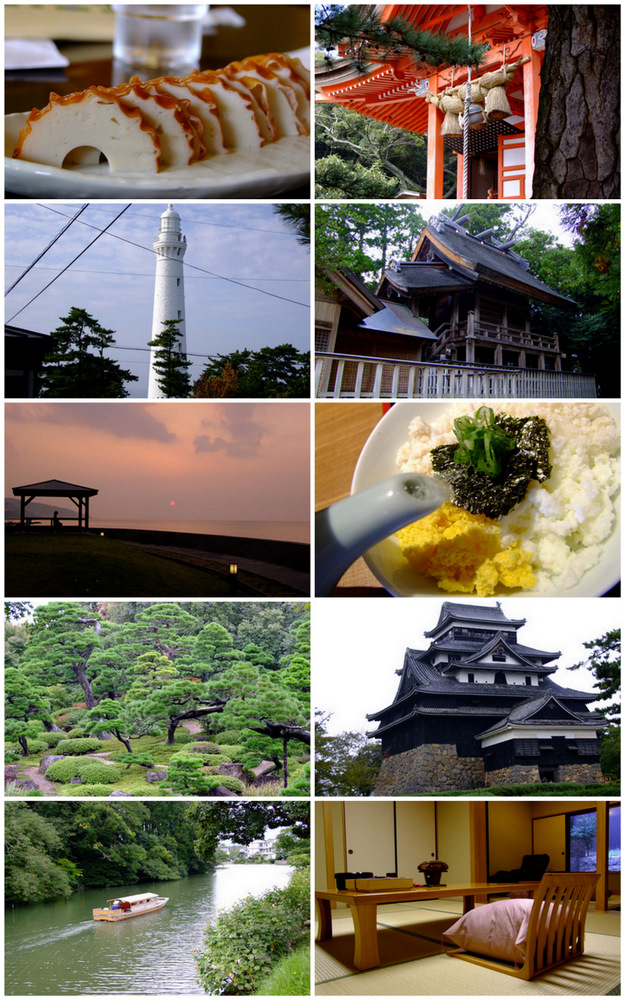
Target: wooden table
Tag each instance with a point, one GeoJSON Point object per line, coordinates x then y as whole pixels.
{"type": "Point", "coordinates": [341, 430]}
{"type": "Point", "coordinates": [364, 908]}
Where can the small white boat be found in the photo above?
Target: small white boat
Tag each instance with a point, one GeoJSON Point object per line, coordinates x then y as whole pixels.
{"type": "Point", "coordinates": [124, 907]}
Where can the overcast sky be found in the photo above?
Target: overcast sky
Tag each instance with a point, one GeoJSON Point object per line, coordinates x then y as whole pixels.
{"type": "Point", "coordinates": [114, 279]}
{"type": "Point", "coordinates": [192, 461]}
{"type": "Point", "coordinates": [357, 650]}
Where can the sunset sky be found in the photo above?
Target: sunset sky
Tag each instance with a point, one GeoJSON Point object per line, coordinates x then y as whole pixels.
{"type": "Point", "coordinates": [215, 460]}
{"type": "Point", "coordinates": [247, 280]}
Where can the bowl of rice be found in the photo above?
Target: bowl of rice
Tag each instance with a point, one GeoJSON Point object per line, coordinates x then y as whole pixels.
{"type": "Point", "coordinates": [562, 539]}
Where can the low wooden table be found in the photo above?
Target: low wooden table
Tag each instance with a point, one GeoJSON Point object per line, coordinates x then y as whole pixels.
{"type": "Point", "coordinates": [364, 909]}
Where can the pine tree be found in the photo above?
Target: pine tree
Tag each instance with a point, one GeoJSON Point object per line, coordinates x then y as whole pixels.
{"type": "Point", "coordinates": [76, 366]}
{"type": "Point", "coordinates": [170, 363]}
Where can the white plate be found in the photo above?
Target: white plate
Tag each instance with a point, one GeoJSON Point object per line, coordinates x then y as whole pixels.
{"type": "Point", "coordinates": [258, 173]}
{"type": "Point", "coordinates": [378, 460]}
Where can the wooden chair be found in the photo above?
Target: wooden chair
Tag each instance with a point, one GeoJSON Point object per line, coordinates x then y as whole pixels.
{"type": "Point", "coordinates": [555, 933]}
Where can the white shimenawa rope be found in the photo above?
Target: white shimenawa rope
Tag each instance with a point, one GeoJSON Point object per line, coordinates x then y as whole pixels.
{"type": "Point", "coordinates": [465, 126]}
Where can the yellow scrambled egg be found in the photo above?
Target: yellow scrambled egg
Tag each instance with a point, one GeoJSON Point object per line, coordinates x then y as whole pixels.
{"type": "Point", "coordinates": [463, 553]}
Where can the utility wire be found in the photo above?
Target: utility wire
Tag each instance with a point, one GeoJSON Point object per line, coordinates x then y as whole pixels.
{"type": "Point", "coordinates": [69, 265]}
{"type": "Point", "coordinates": [44, 251]}
{"type": "Point", "coordinates": [214, 274]}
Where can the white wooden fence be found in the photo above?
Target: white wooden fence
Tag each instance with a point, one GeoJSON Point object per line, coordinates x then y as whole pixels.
{"type": "Point", "coordinates": [341, 376]}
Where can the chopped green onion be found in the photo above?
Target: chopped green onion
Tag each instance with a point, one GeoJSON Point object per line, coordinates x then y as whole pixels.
{"type": "Point", "coordinates": [482, 445]}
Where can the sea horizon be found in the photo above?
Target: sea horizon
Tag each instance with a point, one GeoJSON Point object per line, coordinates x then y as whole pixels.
{"type": "Point", "coordinates": [283, 531]}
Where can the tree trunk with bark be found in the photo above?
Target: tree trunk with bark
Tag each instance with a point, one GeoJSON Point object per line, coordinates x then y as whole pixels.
{"type": "Point", "coordinates": [578, 128]}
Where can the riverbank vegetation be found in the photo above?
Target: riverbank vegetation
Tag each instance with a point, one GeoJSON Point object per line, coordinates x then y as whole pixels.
{"type": "Point", "coordinates": [147, 698]}
{"type": "Point", "coordinates": [54, 849]}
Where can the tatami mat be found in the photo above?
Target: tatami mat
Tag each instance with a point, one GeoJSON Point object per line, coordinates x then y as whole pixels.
{"type": "Point", "coordinates": [414, 963]}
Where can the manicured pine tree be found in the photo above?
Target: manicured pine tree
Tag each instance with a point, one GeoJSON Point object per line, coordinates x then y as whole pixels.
{"type": "Point", "coordinates": [76, 366]}
{"type": "Point", "coordinates": [170, 363]}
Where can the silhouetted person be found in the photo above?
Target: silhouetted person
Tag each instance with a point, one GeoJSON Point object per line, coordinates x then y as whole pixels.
{"type": "Point", "coordinates": [56, 524]}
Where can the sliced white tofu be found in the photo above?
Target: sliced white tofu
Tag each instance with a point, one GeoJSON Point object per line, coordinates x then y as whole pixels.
{"type": "Point", "coordinates": [236, 106]}
{"type": "Point", "coordinates": [180, 144]}
{"type": "Point", "coordinates": [70, 128]}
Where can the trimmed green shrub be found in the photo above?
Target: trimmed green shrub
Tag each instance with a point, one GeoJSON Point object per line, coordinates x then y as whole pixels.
{"type": "Point", "coordinates": [85, 790]}
{"type": "Point", "coordinates": [213, 760]}
{"type": "Point", "coordinates": [234, 750]}
{"type": "Point", "coordinates": [205, 748]}
{"type": "Point", "coordinates": [51, 739]}
{"type": "Point", "coordinates": [36, 746]}
{"type": "Point", "coordinates": [227, 736]}
{"type": "Point", "coordinates": [184, 736]}
{"type": "Point", "coordinates": [89, 744]}
{"type": "Point", "coordinates": [76, 733]}
{"type": "Point", "coordinates": [243, 944]}
{"type": "Point", "coordinates": [88, 770]}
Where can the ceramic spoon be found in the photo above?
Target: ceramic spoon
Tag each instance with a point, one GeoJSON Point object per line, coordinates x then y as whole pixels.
{"type": "Point", "coordinates": [350, 527]}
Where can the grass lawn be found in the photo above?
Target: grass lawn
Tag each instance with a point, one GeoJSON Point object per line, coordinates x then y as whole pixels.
{"type": "Point", "coordinates": [550, 788]}
{"type": "Point", "coordinates": [91, 566]}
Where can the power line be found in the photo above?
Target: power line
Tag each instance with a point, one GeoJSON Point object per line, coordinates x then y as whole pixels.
{"type": "Point", "coordinates": [113, 221]}
{"type": "Point", "coordinates": [145, 274]}
{"type": "Point", "coordinates": [234, 281]}
{"type": "Point", "coordinates": [45, 250]}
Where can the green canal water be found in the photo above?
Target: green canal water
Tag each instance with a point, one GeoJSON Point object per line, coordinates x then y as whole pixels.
{"type": "Point", "coordinates": [57, 949]}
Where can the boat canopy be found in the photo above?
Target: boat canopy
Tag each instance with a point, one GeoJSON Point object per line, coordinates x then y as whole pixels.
{"type": "Point", "coordinates": [141, 898]}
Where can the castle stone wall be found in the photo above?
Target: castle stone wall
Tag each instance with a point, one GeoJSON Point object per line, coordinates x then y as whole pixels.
{"type": "Point", "coordinates": [434, 767]}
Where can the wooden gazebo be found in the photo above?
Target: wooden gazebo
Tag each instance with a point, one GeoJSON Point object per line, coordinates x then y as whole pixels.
{"type": "Point", "coordinates": [79, 495]}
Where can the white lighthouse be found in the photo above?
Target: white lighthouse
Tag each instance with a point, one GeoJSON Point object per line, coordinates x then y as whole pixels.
{"type": "Point", "coordinates": [169, 247]}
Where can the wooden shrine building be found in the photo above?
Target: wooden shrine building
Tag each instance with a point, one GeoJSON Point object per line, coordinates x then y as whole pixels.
{"type": "Point", "coordinates": [79, 495]}
{"type": "Point", "coordinates": [453, 321]}
{"type": "Point", "coordinates": [407, 94]}
{"type": "Point", "coordinates": [478, 708]}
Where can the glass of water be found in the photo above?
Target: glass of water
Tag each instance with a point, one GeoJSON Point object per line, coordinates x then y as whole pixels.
{"type": "Point", "coordinates": [154, 39]}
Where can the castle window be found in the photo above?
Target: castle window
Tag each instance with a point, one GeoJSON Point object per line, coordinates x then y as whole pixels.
{"type": "Point", "coordinates": [471, 678]}
{"type": "Point", "coordinates": [528, 681]}
{"type": "Point", "coordinates": [499, 657]}
{"type": "Point", "coordinates": [500, 677]}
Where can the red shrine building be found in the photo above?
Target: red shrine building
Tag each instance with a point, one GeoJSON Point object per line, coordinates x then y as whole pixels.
{"type": "Point", "coordinates": [425, 99]}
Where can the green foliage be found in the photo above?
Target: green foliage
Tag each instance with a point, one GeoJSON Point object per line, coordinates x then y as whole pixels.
{"type": "Point", "coordinates": [76, 366]}
{"type": "Point", "coordinates": [346, 764]}
{"type": "Point", "coordinates": [51, 739]}
{"type": "Point", "coordinates": [88, 744]}
{"type": "Point", "coordinates": [363, 238]}
{"type": "Point", "coordinates": [335, 178]}
{"type": "Point", "coordinates": [268, 373]}
{"type": "Point", "coordinates": [244, 943]}
{"type": "Point", "coordinates": [187, 777]}
{"type": "Point", "coordinates": [351, 148]}
{"type": "Point", "coordinates": [295, 218]}
{"type": "Point", "coordinates": [32, 847]}
{"type": "Point", "coordinates": [87, 791]}
{"type": "Point", "coordinates": [604, 659]}
{"type": "Point", "coordinates": [170, 364]}
{"type": "Point", "coordinates": [228, 737]}
{"type": "Point", "coordinates": [88, 770]}
{"type": "Point", "coordinates": [360, 30]}
{"type": "Point", "coordinates": [76, 733]}
{"type": "Point", "coordinates": [290, 977]}
{"type": "Point", "coordinates": [611, 752]}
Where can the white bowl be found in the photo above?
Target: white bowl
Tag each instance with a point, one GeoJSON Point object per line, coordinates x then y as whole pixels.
{"type": "Point", "coordinates": [378, 460]}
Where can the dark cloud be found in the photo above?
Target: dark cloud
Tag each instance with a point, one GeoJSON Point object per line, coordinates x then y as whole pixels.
{"type": "Point", "coordinates": [133, 420]}
{"type": "Point", "coordinates": [242, 435]}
